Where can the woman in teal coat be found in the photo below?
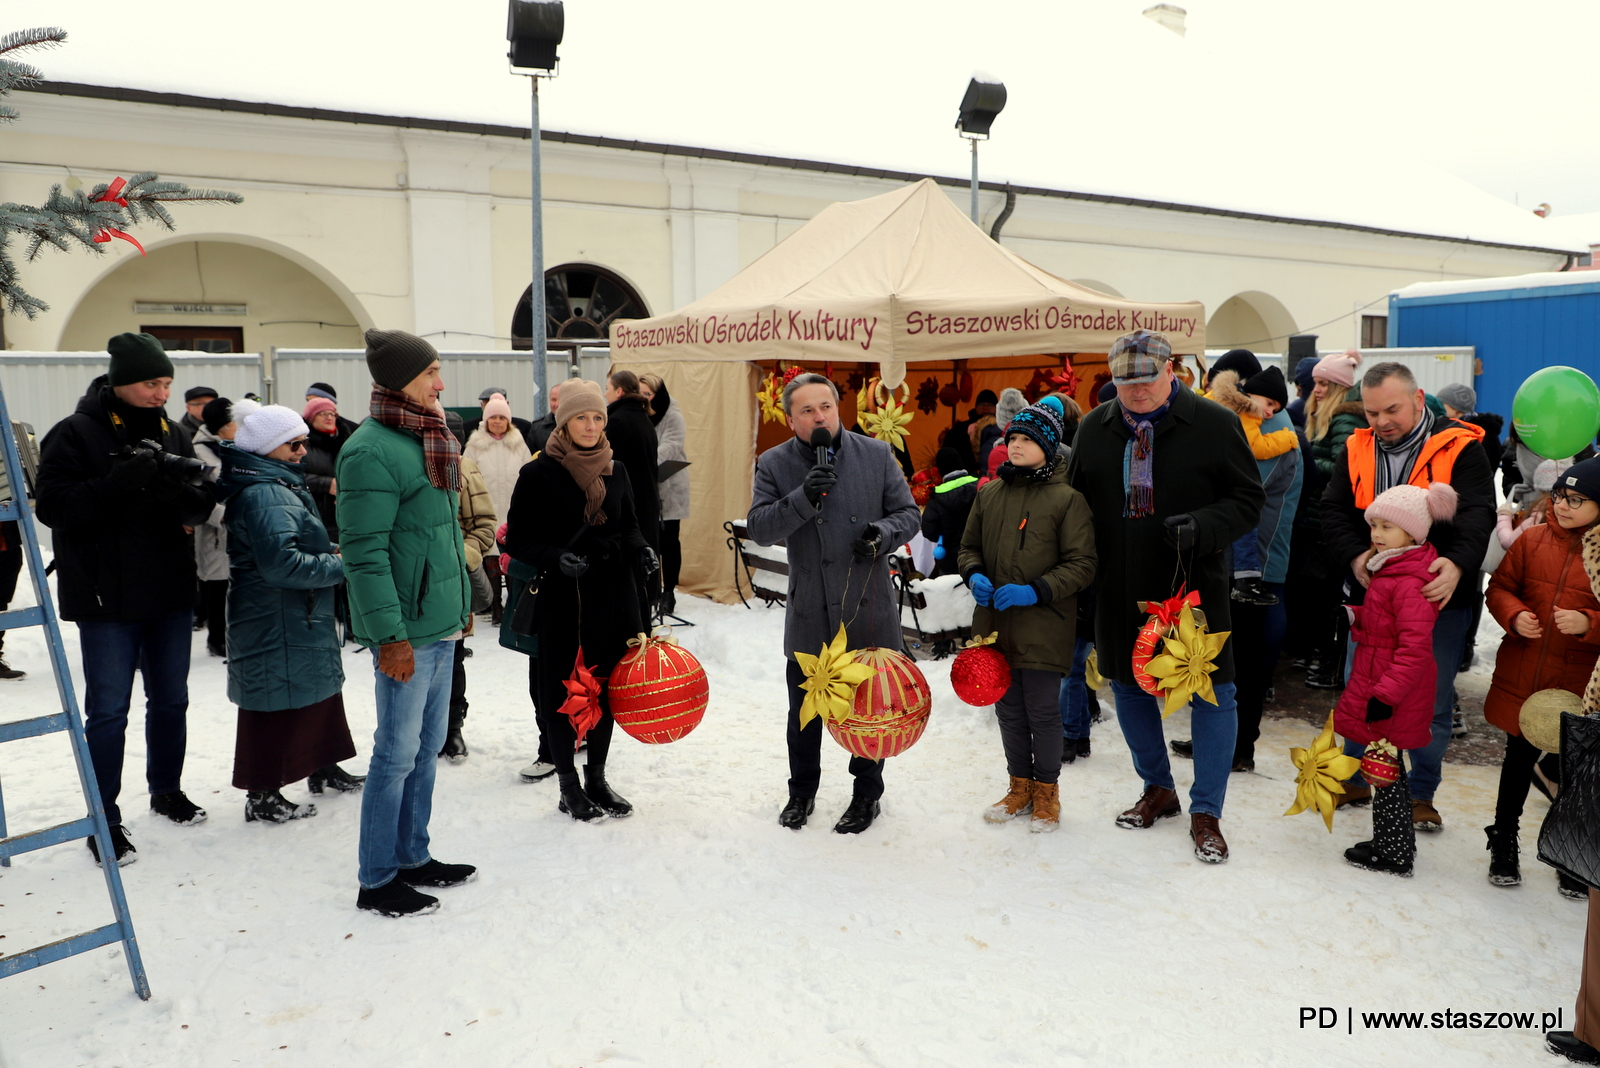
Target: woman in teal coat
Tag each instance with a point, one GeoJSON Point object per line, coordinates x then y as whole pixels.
{"type": "Point", "coordinates": [284, 671]}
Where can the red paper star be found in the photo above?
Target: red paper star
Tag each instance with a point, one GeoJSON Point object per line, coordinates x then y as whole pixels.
{"type": "Point", "coordinates": [582, 705]}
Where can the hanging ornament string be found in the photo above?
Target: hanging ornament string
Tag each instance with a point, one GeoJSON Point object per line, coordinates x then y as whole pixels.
{"type": "Point", "coordinates": [113, 195]}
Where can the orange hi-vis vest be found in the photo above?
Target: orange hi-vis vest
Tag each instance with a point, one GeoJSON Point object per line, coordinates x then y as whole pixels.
{"type": "Point", "coordinates": [1434, 463]}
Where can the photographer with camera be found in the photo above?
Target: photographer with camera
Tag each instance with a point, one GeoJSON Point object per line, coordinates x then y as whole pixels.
{"type": "Point", "coordinates": [121, 490]}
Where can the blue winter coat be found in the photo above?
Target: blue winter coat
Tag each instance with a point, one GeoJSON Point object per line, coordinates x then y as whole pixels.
{"type": "Point", "coordinates": [1282, 478]}
{"type": "Point", "coordinates": [283, 647]}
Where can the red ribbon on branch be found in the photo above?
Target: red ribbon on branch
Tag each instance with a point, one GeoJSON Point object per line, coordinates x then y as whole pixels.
{"type": "Point", "coordinates": [113, 195]}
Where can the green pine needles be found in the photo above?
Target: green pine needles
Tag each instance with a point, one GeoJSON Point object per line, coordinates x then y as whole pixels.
{"type": "Point", "coordinates": [75, 219]}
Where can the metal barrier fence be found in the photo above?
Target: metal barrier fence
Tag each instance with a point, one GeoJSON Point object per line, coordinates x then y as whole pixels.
{"type": "Point", "coordinates": [43, 388]}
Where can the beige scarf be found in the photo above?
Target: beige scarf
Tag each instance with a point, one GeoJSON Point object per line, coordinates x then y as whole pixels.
{"type": "Point", "coordinates": [588, 468]}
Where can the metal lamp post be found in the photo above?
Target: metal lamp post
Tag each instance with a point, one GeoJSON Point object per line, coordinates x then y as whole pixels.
{"type": "Point", "coordinates": [985, 98]}
{"type": "Point", "coordinates": [534, 28]}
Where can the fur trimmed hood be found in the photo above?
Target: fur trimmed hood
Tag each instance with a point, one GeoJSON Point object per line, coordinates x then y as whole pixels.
{"type": "Point", "coordinates": [1226, 392]}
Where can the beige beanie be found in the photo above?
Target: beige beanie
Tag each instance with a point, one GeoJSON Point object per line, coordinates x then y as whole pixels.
{"type": "Point", "coordinates": [578, 395]}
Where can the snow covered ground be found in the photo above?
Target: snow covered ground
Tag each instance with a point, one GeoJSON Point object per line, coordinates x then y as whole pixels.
{"type": "Point", "coordinates": [700, 933]}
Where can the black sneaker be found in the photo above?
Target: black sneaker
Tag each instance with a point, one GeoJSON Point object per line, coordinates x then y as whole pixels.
{"type": "Point", "coordinates": [1253, 591]}
{"type": "Point", "coordinates": [1363, 855]}
{"type": "Point", "coordinates": [177, 808]}
{"type": "Point", "coordinates": [119, 844]}
{"type": "Point", "coordinates": [436, 874]}
{"type": "Point", "coordinates": [395, 899]}
{"type": "Point", "coordinates": [7, 672]}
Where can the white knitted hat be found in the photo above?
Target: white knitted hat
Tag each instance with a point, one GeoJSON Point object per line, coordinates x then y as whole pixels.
{"type": "Point", "coordinates": [1414, 509]}
{"type": "Point", "coordinates": [267, 428]}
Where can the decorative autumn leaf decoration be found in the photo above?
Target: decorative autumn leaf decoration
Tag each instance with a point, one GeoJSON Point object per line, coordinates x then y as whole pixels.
{"type": "Point", "coordinates": [582, 705]}
{"type": "Point", "coordinates": [928, 396]}
{"type": "Point", "coordinates": [1184, 670]}
{"type": "Point", "coordinates": [831, 680]}
{"type": "Point", "coordinates": [1323, 769]}
{"type": "Point", "coordinates": [770, 399]}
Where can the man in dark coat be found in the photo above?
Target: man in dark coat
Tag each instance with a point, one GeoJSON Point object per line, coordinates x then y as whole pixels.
{"type": "Point", "coordinates": [195, 400]}
{"type": "Point", "coordinates": [1406, 444]}
{"type": "Point", "coordinates": [126, 567]}
{"type": "Point", "coordinates": [947, 511]}
{"type": "Point", "coordinates": [634, 444]}
{"type": "Point", "coordinates": [524, 427]}
{"type": "Point", "coordinates": [540, 429]}
{"type": "Point", "coordinates": [1171, 482]}
{"type": "Point", "coordinates": [839, 519]}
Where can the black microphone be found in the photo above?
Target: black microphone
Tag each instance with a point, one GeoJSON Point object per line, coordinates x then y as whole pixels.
{"type": "Point", "coordinates": [821, 438]}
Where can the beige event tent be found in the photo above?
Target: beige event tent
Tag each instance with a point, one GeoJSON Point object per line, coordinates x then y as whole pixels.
{"type": "Point", "coordinates": [892, 280]}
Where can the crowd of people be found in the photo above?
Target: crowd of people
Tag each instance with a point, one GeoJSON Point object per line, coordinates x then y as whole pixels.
{"type": "Point", "coordinates": [1351, 528]}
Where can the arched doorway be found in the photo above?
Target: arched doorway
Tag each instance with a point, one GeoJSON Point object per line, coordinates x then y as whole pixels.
{"type": "Point", "coordinates": [212, 293]}
{"type": "Point", "coordinates": [1250, 320]}
{"type": "Point", "coordinates": [581, 300]}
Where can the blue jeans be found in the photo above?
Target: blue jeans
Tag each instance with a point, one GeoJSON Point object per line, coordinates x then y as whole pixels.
{"type": "Point", "coordinates": [398, 797]}
{"type": "Point", "coordinates": [1075, 695]}
{"type": "Point", "coordinates": [1247, 555]}
{"type": "Point", "coordinates": [1427, 763]}
{"type": "Point", "coordinates": [1214, 729]}
{"type": "Point", "coordinates": [159, 650]}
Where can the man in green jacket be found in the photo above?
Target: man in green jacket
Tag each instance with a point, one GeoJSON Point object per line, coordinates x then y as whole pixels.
{"type": "Point", "coordinates": [405, 570]}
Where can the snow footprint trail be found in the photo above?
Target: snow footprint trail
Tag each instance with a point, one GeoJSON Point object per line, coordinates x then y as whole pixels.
{"type": "Point", "coordinates": [698, 932]}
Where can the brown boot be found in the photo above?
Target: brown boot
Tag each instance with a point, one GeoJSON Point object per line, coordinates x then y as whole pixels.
{"type": "Point", "coordinates": [1208, 842]}
{"type": "Point", "coordinates": [1424, 817]}
{"type": "Point", "coordinates": [1017, 802]}
{"type": "Point", "coordinates": [1156, 803]}
{"type": "Point", "coordinates": [1357, 794]}
{"type": "Point", "coordinates": [1046, 807]}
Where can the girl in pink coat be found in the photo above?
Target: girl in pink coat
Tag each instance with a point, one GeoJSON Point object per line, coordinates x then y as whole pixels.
{"type": "Point", "coordinates": [1390, 693]}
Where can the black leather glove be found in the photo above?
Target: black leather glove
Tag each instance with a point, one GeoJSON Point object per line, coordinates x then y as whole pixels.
{"type": "Point", "coordinates": [131, 472]}
{"type": "Point", "coordinates": [866, 547]}
{"type": "Point", "coordinates": [1181, 531]}
{"type": "Point", "coordinates": [1378, 711]}
{"type": "Point", "coordinates": [819, 480]}
{"type": "Point", "coordinates": [649, 562]}
{"type": "Point", "coordinates": [573, 565]}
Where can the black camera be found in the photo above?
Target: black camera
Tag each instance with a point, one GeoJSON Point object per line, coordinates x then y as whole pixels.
{"type": "Point", "coordinates": [169, 465]}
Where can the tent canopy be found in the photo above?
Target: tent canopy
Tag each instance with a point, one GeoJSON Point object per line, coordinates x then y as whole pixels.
{"type": "Point", "coordinates": [895, 279]}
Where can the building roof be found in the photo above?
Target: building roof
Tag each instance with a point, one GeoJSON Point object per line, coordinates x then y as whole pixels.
{"type": "Point", "coordinates": [1565, 281]}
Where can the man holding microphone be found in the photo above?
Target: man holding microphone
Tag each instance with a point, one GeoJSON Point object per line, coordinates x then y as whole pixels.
{"type": "Point", "coordinates": [840, 504]}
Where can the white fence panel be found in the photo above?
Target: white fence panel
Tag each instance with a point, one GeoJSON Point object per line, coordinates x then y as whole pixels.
{"type": "Point", "coordinates": [1434, 368]}
{"type": "Point", "coordinates": [44, 387]}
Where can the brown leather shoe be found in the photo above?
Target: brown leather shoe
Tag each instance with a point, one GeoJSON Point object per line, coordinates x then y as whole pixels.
{"type": "Point", "coordinates": [1208, 843]}
{"type": "Point", "coordinates": [1424, 817]}
{"type": "Point", "coordinates": [1017, 802]}
{"type": "Point", "coordinates": [1046, 807]}
{"type": "Point", "coordinates": [1355, 793]}
{"type": "Point", "coordinates": [1156, 803]}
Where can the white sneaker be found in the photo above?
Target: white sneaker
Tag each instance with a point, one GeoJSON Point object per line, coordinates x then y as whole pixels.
{"type": "Point", "coordinates": [538, 770]}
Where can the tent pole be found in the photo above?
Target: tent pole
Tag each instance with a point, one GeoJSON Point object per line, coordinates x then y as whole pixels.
{"type": "Point", "coordinates": [974, 141]}
{"type": "Point", "coordinates": [536, 327]}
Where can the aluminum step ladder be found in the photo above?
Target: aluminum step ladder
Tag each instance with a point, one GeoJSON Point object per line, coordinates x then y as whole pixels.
{"type": "Point", "coordinates": [70, 721]}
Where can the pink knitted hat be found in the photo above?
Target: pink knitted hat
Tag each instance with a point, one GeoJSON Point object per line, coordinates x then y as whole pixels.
{"type": "Point", "coordinates": [1340, 369]}
{"type": "Point", "coordinates": [1414, 509]}
{"type": "Point", "coordinates": [316, 405]}
{"type": "Point", "coordinates": [496, 405]}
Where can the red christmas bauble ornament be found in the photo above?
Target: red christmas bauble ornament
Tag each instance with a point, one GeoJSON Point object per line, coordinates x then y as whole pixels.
{"type": "Point", "coordinates": [658, 691]}
{"type": "Point", "coordinates": [1381, 767]}
{"type": "Point", "coordinates": [980, 675]}
{"type": "Point", "coordinates": [890, 710]}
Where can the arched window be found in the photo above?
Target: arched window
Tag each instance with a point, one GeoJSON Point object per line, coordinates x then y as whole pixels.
{"type": "Point", "coordinates": [580, 303]}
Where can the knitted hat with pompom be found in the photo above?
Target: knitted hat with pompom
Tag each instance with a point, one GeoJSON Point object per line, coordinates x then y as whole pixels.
{"type": "Point", "coordinates": [1414, 509]}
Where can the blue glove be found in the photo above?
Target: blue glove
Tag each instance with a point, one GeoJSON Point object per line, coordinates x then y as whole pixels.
{"type": "Point", "coordinates": [1015, 596]}
{"type": "Point", "coordinates": [938, 548]}
{"type": "Point", "coordinates": [982, 589]}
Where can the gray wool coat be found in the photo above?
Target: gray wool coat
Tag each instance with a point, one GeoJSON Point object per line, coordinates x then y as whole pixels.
{"type": "Point", "coordinates": [671, 434]}
{"type": "Point", "coordinates": [210, 537]}
{"type": "Point", "coordinates": [871, 489]}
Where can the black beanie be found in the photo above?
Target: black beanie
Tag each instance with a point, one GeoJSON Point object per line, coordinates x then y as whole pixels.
{"type": "Point", "coordinates": [395, 357]}
{"type": "Point", "coordinates": [1269, 383]}
{"type": "Point", "coordinates": [947, 460]}
{"type": "Point", "coordinates": [217, 414]}
{"type": "Point", "coordinates": [1582, 478]}
{"type": "Point", "coordinates": [1107, 392]}
{"type": "Point", "coordinates": [1242, 362]}
{"type": "Point", "coordinates": [987, 397]}
{"type": "Point", "coordinates": [137, 358]}
{"type": "Point", "coordinates": [196, 392]}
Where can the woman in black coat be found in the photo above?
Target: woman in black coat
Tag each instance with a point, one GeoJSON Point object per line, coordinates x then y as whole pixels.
{"type": "Point", "coordinates": [326, 437]}
{"type": "Point", "coordinates": [634, 443]}
{"type": "Point", "coordinates": [572, 517]}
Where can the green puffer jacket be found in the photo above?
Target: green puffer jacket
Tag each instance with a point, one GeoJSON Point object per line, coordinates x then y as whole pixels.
{"type": "Point", "coordinates": [1039, 534]}
{"type": "Point", "coordinates": [1347, 418]}
{"type": "Point", "coordinates": [283, 647]}
{"type": "Point", "coordinates": [405, 567]}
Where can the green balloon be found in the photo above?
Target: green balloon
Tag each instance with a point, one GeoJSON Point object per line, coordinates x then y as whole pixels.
{"type": "Point", "coordinates": [1556, 411]}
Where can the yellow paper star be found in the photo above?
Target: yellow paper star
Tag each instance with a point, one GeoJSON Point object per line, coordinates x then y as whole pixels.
{"type": "Point", "coordinates": [831, 681]}
{"type": "Point", "coordinates": [888, 424]}
{"type": "Point", "coordinates": [770, 399]}
{"type": "Point", "coordinates": [1184, 670]}
{"type": "Point", "coordinates": [1323, 769]}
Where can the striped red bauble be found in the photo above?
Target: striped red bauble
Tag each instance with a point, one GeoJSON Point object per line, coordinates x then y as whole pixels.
{"type": "Point", "coordinates": [890, 710]}
{"type": "Point", "coordinates": [658, 690]}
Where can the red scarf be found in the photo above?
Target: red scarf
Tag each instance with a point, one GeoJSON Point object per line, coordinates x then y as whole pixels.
{"type": "Point", "coordinates": [441, 453]}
